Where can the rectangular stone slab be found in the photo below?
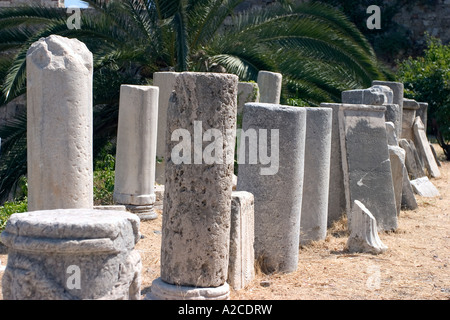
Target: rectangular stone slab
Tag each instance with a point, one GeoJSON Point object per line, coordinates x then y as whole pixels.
{"type": "Point", "coordinates": [424, 187]}
{"type": "Point", "coordinates": [366, 164]}
{"type": "Point", "coordinates": [423, 147]}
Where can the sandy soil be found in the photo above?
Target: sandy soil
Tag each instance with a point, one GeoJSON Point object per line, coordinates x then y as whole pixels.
{"type": "Point", "coordinates": [416, 265]}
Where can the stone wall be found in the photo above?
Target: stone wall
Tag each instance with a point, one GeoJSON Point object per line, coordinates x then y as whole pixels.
{"type": "Point", "coordinates": [47, 3]}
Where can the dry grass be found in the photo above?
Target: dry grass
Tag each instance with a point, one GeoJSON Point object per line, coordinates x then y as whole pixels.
{"type": "Point", "coordinates": [416, 265]}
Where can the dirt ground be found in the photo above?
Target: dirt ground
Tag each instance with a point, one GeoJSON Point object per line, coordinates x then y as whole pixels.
{"type": "Point", "coordinates": [415, 266]}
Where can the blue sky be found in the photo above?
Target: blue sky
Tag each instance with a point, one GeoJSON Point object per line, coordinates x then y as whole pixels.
{"type": "Point", "coordinates": [76, 3]}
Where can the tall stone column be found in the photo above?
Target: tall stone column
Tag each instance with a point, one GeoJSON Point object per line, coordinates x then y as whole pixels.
{"type": "Point", "coordinates": [314, 215]}
{"type": "Point", "coordinates": [136, 150]}
{"type": "Point", "coordinates": [59, 124]}
{"type": "Point", "coordinates": [165, 81]}
{"type": "Point", "coordinates": [270, 84]}
{"type": "Point", "coordinates": [398, 90]}
{"type": "Point", "coordinates": [336, 197]}
{"type": "Point", "coordinates": [276, 181]}
{"type": "Point", "coordinates": [200, 138]}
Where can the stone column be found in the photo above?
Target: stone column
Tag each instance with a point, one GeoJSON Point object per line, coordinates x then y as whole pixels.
{"type": "Point", "coordinates": [398, 89]}
{"type": "Point", "coordinates": [316, 180]}
{"type": "Point", "coordinates": [366, 164]}
{"type": "Point", "coordinates": [72, 254]}
{"type": "Point", "coordinates": [136, 150]}
{"type": "Point", "coordinates": [200, 138]}
{"type": "Point", "coordinates": [247, 92]}
{"type": "Point", "coordinates": [59, 124]}
{"type": "Point", "coordinates": [276, 181]}
{"type": "Point", "coordinates": [269, 84]}
{"type": "Point", "coordinates": [241, 269]}
{"type": "Point", "coordinates": [165, 81]}
{"type": "Point", "coordinates": [409, 115]}
{"type": "Point", "coordinates": [336, 196]}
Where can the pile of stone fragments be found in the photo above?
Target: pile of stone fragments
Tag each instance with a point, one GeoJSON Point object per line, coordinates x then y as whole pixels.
{"type": "Point", "coordinates": [298, 171]}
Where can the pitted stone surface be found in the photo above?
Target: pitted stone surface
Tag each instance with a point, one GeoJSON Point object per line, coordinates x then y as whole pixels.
{"type": "Point", "coordinates": [247, 92]}
{"type": "Point", "coordinates": [59, 124]}
{"type": "Point", "coordinates": [43, 246]}
{"type": "Point", "coordinates": [410, 107]}
{"type": "Point", "coordinates": [197, 197]}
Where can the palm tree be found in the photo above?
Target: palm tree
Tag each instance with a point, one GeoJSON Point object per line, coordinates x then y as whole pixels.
{"type": "Point", "coordinates": [318, 51]}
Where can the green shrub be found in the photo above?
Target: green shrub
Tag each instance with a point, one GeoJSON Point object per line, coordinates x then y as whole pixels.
{"type": "Point", "coordinates": [10, 208]}
{"type": "Point", "coordinates": [427, 79]}
{"type": "Point", "coordinates": [104, 180]}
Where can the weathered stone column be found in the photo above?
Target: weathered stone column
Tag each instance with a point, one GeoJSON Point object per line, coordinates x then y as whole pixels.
{"type": "Point", "coordinates": [247, 92]}
{"type": "Point", "coordinates": [276, 181]}
{"type": "Point", "coordinates": [316, 180]}
{"type": "Point", "coordinates": [59, 124]}
{"type": "Point", "coordinates": [200, 138]}
{"type": "Point", "coordinates": [336, 197]}
{"type": "Point", "coordinates": [397, 89]}
{"type": "Point", "coordinates": [409, 115]}
{"type": "Point", "coordinates": [136, 150]}
{"type": "Point", "coordinates": [269, 84]}
{"type": "Point", "coordinates": [165, 81]}
{"type": "Point", "coordinates": [241, 269]}
{"type": "Point", "coordinates": [366, 163]}
{"type": "Point", "coordinates": [72, 254]}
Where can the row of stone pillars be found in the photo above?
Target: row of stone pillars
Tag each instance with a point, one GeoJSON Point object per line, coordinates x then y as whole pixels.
{"type": "Point", "coordinates": [289, 180]}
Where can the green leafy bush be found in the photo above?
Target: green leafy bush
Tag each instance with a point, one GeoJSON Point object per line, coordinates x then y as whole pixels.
{"type": "Point", "coordinates": [10, 208]}
{"type": "Point", "coordinates": [104, 180]}
{"type": "Point", "coordinates": [427, 79]}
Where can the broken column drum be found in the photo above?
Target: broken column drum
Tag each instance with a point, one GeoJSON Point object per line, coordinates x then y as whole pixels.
{"type": "Point", "coordinates": [72, 254]}
{"type": "Point", "coordinates": [366, 163]}
{"type": "Point", "coordinates": [314, 214]}
{"type": "Point", "coordinates": [197, 198]}
{"type": "Point", "coordinates": [59, 124]}
{"type": "Point", "coordinates": [269, 84]}
{"type": "Point", "coordinates": [277, 191]}
{"type": "Point", "coordinates": [136, 150]}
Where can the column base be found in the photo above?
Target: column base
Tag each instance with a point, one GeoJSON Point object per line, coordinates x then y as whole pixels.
{"type": "Point", "coordinates": [161, 290]}
{"type": "Point", "coordinates": [143, 212]}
